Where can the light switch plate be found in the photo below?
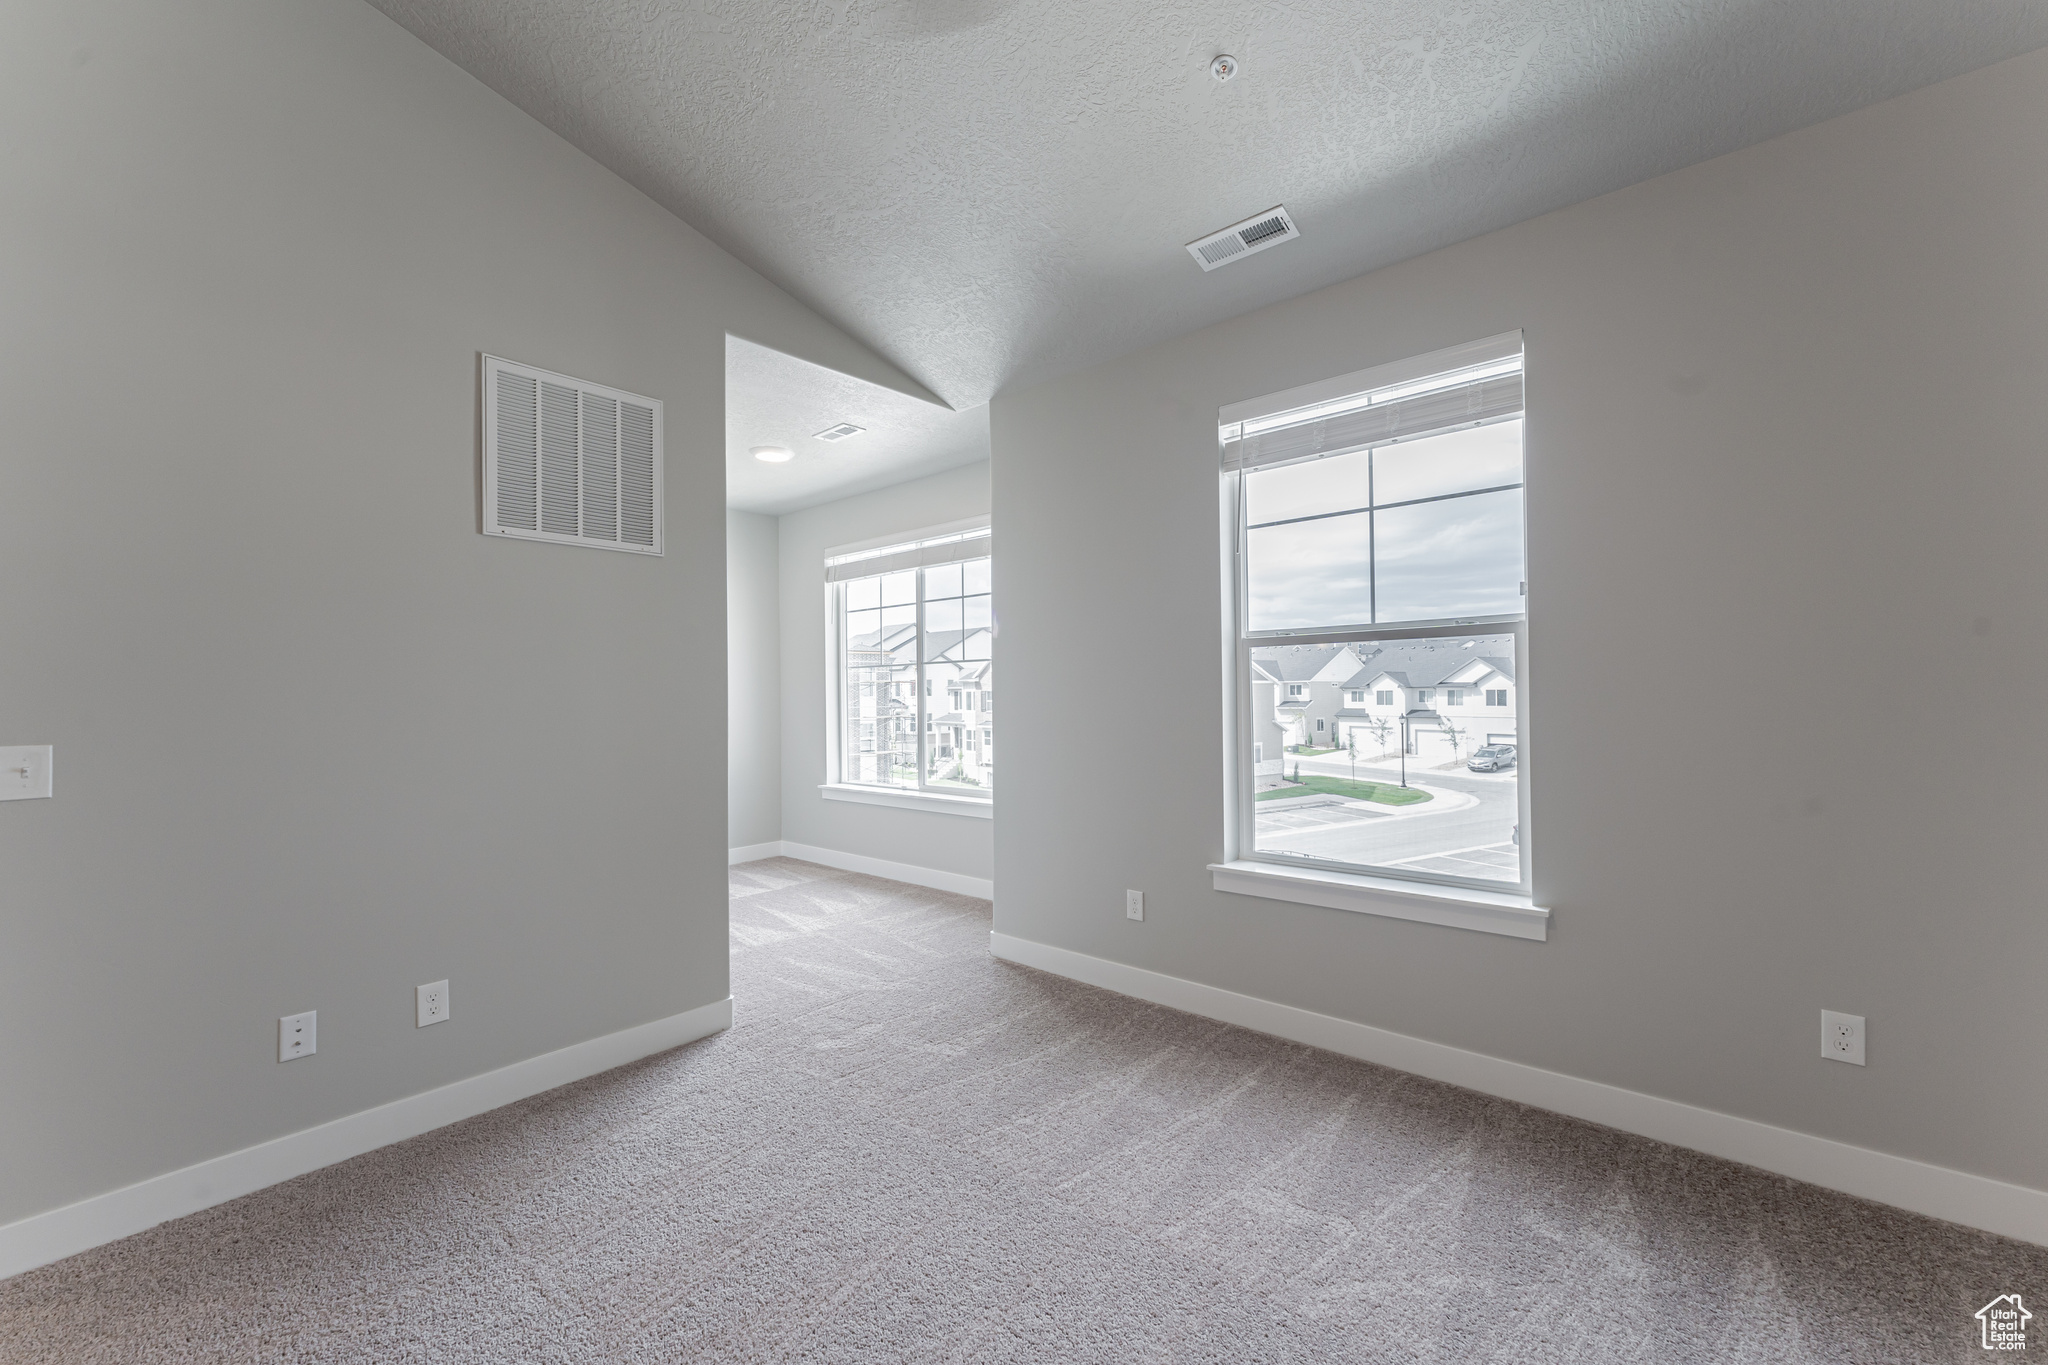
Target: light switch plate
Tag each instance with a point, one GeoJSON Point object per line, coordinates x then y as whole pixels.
{"type": "Point", "coordinates": [298, 1035]}
{"type": "Point", "coordinates": [25, 771]}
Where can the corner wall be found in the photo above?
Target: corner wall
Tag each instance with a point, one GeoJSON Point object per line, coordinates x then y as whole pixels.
{"type": "Point", "coordinates": [317, 739]}
{"type": "Point", "coordinates": [1784, 467]}
{"type": "Point", "coordinates": [753, 673]}
{"type": "Point", "coordinates": [960, 845]}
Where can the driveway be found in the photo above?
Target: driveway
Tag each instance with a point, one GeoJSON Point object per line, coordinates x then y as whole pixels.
{"type": "Point", "coordinates": [1471, 841]}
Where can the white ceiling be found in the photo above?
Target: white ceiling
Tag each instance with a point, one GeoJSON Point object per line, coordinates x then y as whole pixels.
{"type": "Point", "coordinates": [990, 192]}
{"type": "Point", "coordinates": [775, 399]}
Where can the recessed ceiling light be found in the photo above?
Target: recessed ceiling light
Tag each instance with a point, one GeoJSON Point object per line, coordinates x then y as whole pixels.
{"type": "Point", "coordinates": [841, 432]}
{"type": "Point", "coordinates": [773, 454]}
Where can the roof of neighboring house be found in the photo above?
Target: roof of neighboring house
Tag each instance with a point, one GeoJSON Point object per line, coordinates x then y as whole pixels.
{"type": "Point", "coordinates": [1427, 663]}
{"type": "Point", "coordinates": [940, 643]}
{"type": "Point", "coordinates": [1295, 663]}
{"type": "Point", "coordinates": [883, 641]}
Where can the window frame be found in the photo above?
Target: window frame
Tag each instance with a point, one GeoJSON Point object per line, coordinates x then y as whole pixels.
{"type": "Point", "coordinates": [1241, 853]}
{"type": "Point", "coordinates": [963, 800]}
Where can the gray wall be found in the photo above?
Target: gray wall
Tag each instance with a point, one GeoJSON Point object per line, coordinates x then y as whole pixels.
{"type": "Point", "coordinates": [318, 740]}
{"type": "Point", "coordinates": [753, 674]}
{"type": "Point", "coordinates": [1785, 457]}
{"type": "Point", "coordinates": [949, 843]}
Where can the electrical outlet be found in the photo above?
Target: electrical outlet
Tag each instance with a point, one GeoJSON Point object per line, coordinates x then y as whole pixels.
{"type": "Point", "coordinates": [1134, 905]}
{"type": "Point", "coordinates": [298, 1035]}
{"type": "Point", "coordinates": [1841, 1037]}
{"type": "Point", "coordinates": [432, 1000]}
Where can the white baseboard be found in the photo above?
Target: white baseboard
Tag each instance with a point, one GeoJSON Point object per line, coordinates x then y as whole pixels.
{"type": "Point", "coordinates": [754, 852]}
{"type": "Point", "coordinates": [956, 882]}
{"type": "Point", "coordinates": [46, 1237]}
{"type": "Point", "coordinates": [1973, 1200]}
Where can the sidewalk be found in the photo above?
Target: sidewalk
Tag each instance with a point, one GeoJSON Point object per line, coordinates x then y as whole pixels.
{"type": "Point", "coordinates": [1442, 802]}
{"type": "Point", "coordinates": [1340, 765]}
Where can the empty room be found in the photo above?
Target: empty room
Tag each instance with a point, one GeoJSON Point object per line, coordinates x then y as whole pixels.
{"type": "Point", "coordinates": [1509, 536]}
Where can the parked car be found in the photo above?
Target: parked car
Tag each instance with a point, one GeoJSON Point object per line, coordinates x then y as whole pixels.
{"type": "Point", "coordinates": [1491, 758]}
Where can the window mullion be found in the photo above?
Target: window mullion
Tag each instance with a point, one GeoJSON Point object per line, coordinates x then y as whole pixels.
{"type": "Point", "coordinates": [1372, 541]}
{"type": "Point", "coordinates": [839, 679]}
{"type": "Point", "coordinates": [917, 647]}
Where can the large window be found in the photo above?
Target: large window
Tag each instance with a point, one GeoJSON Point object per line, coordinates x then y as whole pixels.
{"type": "Point", "coordinates": [915, 630]}
{"type": "Point", "coordinates": [1379, 536]}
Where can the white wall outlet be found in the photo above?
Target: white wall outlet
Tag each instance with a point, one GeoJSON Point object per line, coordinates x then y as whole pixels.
{"type": "Point", "coordinates": [432, 1000]}
{"type": "Point", "coordinates": [1841, 1037]}
{"type": "Point", "coordinates": [298, 1035]}
{"type": "Point", "coordinates": [25, 771]}
{"type": "Point", "coordinates": [1134, 905]}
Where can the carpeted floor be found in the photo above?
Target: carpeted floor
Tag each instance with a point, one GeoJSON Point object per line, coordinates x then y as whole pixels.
{"type": "Point", "coordinates": [908, 1151]}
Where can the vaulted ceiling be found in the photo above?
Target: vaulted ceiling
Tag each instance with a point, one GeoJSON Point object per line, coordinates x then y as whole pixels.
{"type": "Point", "coordinates": [989, 192]}
{"type": "Point", "coordinates": [773, 399]}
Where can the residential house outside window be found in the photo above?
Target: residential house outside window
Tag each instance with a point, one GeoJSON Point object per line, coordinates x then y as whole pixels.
{"type": "Point", "coordinates": [1379, 549]}
{"type": "Point", "coordinates": [915, 629]}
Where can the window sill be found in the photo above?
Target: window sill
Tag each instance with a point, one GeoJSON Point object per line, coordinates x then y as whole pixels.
{"type": "Point", "coordinates": [980, 807]}
{"type": "Point", "coordinates": [1491, 912]}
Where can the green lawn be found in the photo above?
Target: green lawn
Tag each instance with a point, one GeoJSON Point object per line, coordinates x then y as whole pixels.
{"type": "Point", "coordinates": [1304, 749]}
{"type": "Point", "coordinates": [1386, 793]}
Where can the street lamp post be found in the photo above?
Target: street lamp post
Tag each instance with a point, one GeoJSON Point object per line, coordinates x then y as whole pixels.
{"type": "Point", "coordinates": [1404, 748]}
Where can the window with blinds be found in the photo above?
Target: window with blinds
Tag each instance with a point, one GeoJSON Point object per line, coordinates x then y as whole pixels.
{"type": "Point", "coordinates": [569, 461]}
{"type": "Point", "coordinates": [1378, 543]}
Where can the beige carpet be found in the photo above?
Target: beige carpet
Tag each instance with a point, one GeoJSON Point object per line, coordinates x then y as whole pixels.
{"type": "Point", "coordinates": [907, 1151]}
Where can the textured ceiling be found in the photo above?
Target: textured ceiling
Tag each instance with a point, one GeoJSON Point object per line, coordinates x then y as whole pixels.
{"type": "Point", "coordinates": [773, 399]}
{"type": "Point", "coordinates": [989, 192]}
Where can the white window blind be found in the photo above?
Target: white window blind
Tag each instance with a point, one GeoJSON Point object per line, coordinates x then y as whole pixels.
{"type": "Point", "coordinates": [1472, 386]}
{"type": "Point", "coordinates": [570, 461]}
{"type": "Point", "coordinates": [916, 554]}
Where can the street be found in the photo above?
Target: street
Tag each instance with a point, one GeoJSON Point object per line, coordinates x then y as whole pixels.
{"type": "Point", "coordinates": [1473, 841]}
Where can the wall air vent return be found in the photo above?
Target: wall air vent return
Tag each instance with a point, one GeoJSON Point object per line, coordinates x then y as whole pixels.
{"type": "Point", "coordinates": [840, 432]}
{"type": "Point", "coordinates": [570, 461]}
{"type": "Point", "coordinates": [1239, 240]}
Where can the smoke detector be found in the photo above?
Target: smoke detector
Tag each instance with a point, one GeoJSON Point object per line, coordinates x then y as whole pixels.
{"type": "Point", "coordinates": [1224, 67]}
{"type": "Point", "coordinates": [841, 432]}
{"type": "Point", "coordinates": [1255, 233]}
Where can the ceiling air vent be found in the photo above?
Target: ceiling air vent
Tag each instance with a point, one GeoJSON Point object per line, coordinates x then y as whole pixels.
{"type": "Point", "coordinates": [570, 461]}
{"type": "Point", "coordinates": [840, 432]}
{"type": "Point", "coordinates": [1239, 240]}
